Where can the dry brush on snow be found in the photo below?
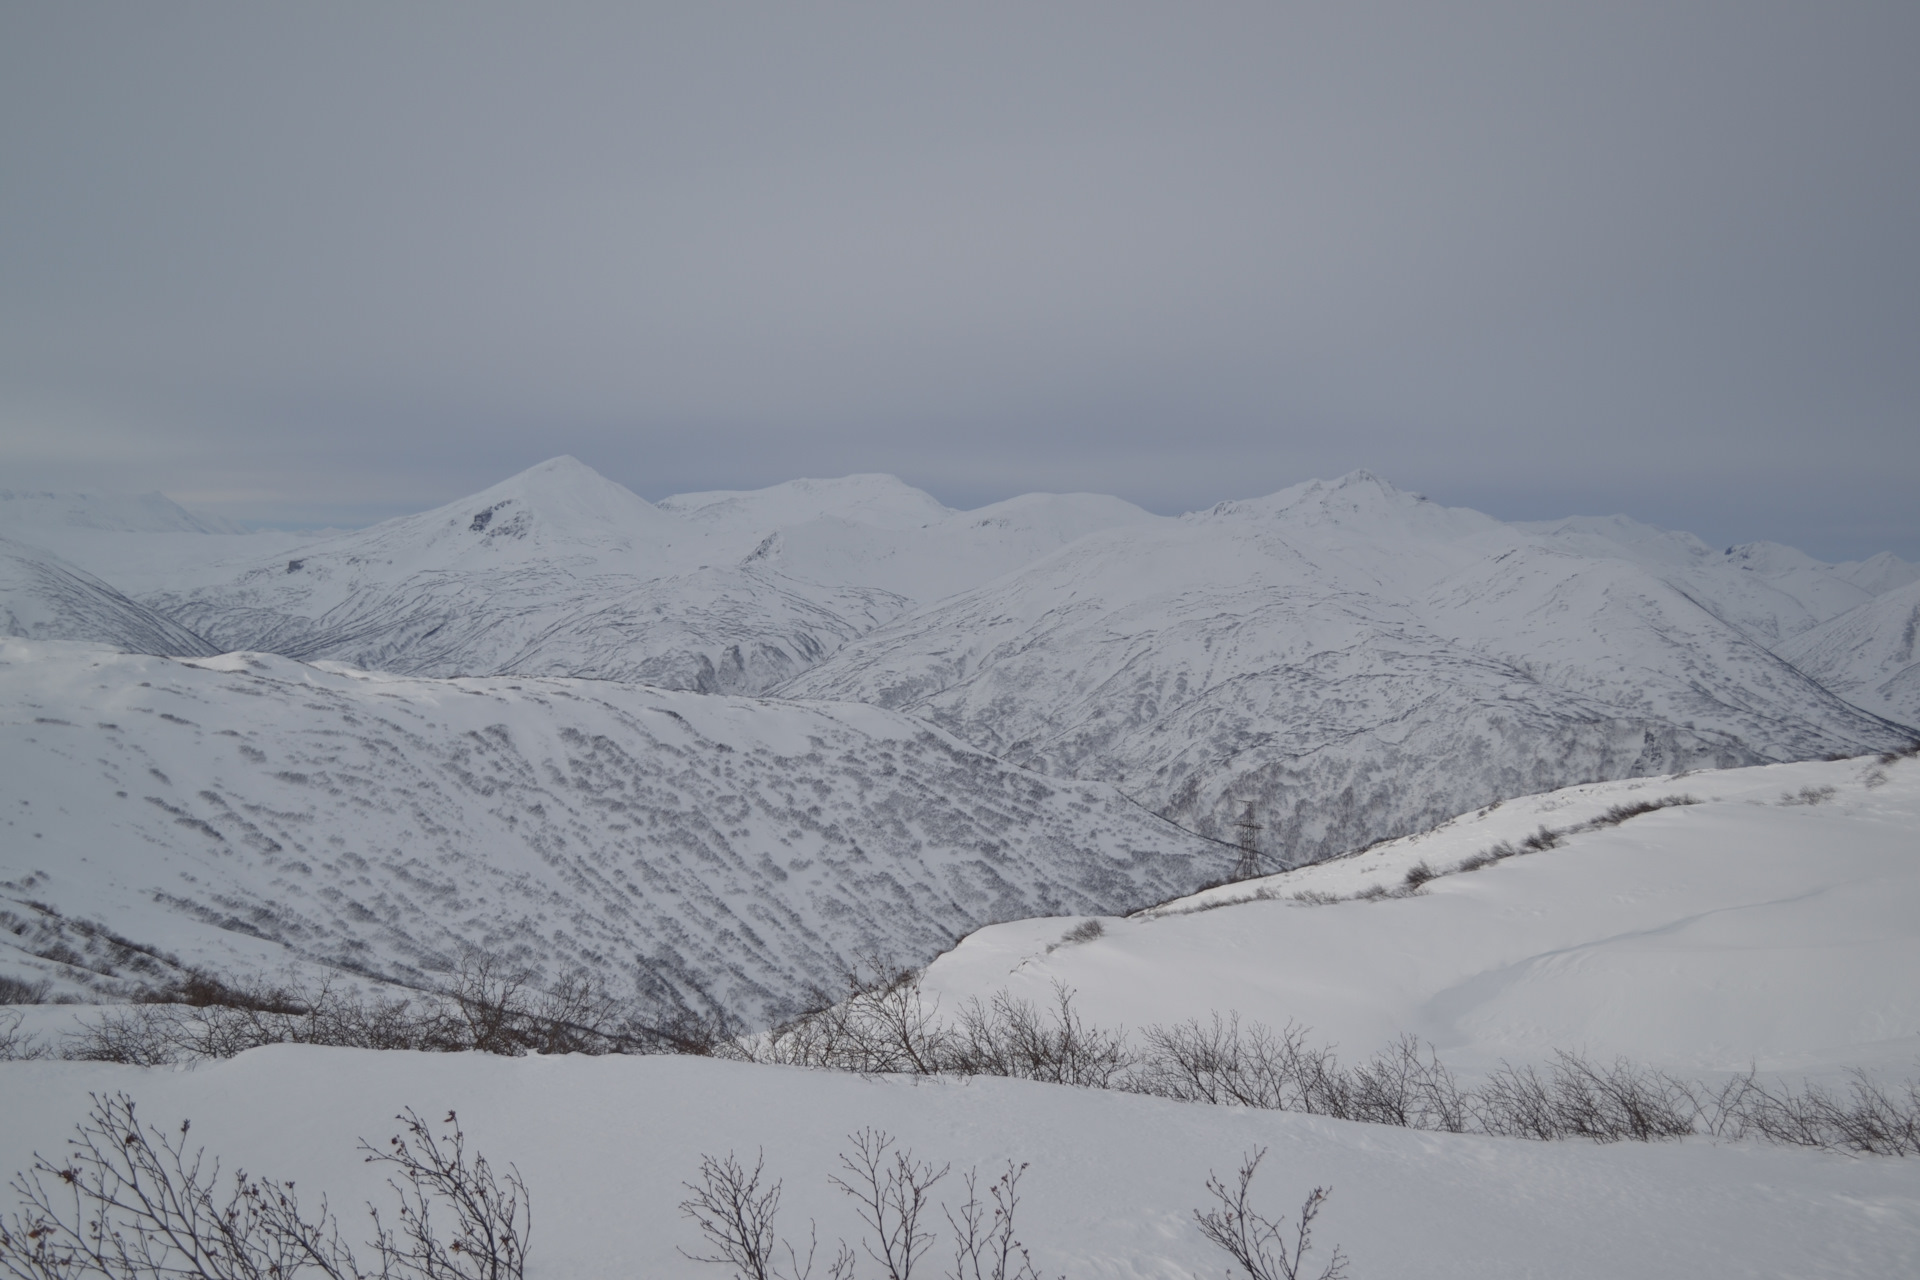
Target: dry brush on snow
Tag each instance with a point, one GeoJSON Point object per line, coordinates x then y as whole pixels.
{"type": "Point", "coordinates": [130, 1201]}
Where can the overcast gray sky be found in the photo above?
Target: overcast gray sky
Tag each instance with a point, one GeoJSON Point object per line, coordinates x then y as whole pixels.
{"type": "Point", "coordinates": [331, 262]}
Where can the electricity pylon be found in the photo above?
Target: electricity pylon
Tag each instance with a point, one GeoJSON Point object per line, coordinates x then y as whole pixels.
{"type": "Point", "coordinates": [1248, 865]}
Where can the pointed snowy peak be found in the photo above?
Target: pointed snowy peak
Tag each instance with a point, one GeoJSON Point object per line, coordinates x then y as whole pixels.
{"type": "Point", "coordinates": [560, 507]}
{"type": "Point", "coordinates": [1358, 502]}
{"type": "Point", "coordinates": [1879, 573]}
{"type": "Point", "coordinates": [563, 493]}
{"type": "Point", "coordinates": [883, 501]}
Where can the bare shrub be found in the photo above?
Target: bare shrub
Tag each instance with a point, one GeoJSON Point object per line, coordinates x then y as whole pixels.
{"type": "Point", "coordinates": [1085, 931]}
{"type": "Point", "coordinates": [1619, 813]}
{"type": "Point", "coordinates": [1221, 1062]}
{"type": "Point", "coordinates": [161, 1034]}
{"type": "Point", "coordinates": [1576, 1099]}
{"type": "Point", "coordinates": [735, 1213]}
{"type": "Point", "coordinates": [199, 989]}
{"type": "Point", "coordinates": [1418, 874]}
{"type": "Point", "coordinates": [19, 991]}
{"type": "Point", "coordinates": [492, 1219]}
{"type": "Point", "coordinates": [131, 1203]}
{"type": "Point", "coordinates": [487, 1008]}
{"type": "Point", "coordinates": [1868, 1119]}
{"type": "Point", "coordinates": [891, 1193]}
{"type": "Point", "coordinates": [1257, 1244]}
{"type": "Point", "coordinates": [882, 1026]}
{"type": "Point", "coordinates": [889, 1190]}
{"type": "Point", "coordinates": [1397, 1086]}
{"type": "Point", "coordinates": [1807, 796]}
{"type": "Point", "coordinates": [985, 1247]}
{"type": "Point", "coordinates": [1010, 1037]}
{"type": "Point", "coordinates": [1218, 1062]}
{"type": "Point", "coordinates": [1542, 840]}
{"type": "Point", "coordinates": [17, 1045]}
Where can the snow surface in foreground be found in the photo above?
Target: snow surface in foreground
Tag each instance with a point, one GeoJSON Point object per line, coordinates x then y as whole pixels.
{"type": "Point", "coordinates": [1751, 929]}
{"type": "Point", "coordinates": [604, 1144]}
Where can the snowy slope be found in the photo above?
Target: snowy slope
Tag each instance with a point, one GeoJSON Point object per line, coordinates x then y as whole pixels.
{"type": "Point", "coordinates": [245, 811]}
{"type": "Point", "coordinates": [554, 571]}
{"type": "Point", "coordinates": [605, 1143]}
{"type": "Point", "coordinates": [1359, 661]}
{"type": "Point", "coordinates": [44, 598]}
{"type": "Point", "coordinates": [1879, 573]}
{"type": "Point", "coordinates": [1769, 591]}
{"type": "Point", "coordinates": [1869, 655]}
{"type": "Point", "coordinates": [944, 557]}
{"type": "Point", "coordinates": [138, 543]}
{"type": "Point", "coordinates": [879, 501]}
{"type": "Point", "coordinates": [1776, 923]}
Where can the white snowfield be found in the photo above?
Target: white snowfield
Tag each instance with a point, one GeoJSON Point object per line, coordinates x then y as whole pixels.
{"type": "Point", "coordinates": [247, 811]}
{"type": "Point", "coordinates": [1774, 924]}
{"type": "Point", "coordinates": [604, 1144]}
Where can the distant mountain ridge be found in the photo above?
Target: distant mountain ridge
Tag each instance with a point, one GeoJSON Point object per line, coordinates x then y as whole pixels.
{"type": "Point", "coordinates": [1357, 661]}
{"type": "Point", "coordinates": [1869, 655]}
{"type": "Point", "coordinates": [559, 571]}
{"type": "Point", "coordinates": [24, 511]}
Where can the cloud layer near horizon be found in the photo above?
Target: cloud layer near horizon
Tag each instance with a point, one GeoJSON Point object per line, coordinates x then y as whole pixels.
{"type": "Point", "coordinates": [337, 262]}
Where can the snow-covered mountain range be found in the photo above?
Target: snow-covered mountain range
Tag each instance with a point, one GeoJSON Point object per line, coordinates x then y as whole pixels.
{"type": "Point", "coordinates": [559, 571]}
{"type": "Point", "coordinates": [1357, 661]}
{"type": "Point", "coordinates": [248, 811]}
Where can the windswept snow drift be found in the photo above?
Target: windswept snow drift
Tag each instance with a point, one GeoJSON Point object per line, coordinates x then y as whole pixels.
{"type": "Point", "coordinates": [1774, 924]}
{"type": "Point", "coordinates": [715, 851]}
